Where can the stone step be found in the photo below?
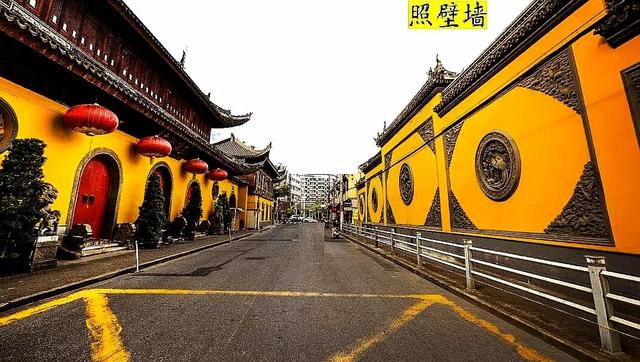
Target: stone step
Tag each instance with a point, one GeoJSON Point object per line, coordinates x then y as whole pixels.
{"type": "Point", "coordinates": [102, 248]}
{"type": "Point", "coordinates": [97, 242]}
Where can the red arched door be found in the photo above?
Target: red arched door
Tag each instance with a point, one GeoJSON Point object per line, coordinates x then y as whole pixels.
{"type": "Point", "coordinates": [93, 196]}
{"type": "Point", "coordinates": [165, 185]}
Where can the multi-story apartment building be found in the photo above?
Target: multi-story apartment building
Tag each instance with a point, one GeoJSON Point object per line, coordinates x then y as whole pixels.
{"type": "Point", "coordinates": [315, 189]}
{"type": "Point", "coordinates": [293, 201]}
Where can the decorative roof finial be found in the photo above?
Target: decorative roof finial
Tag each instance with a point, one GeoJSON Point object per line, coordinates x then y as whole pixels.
{"type": "Point", "coordinates": [184, 57]}
{"type": "Point", "coordinates": [384, 126]}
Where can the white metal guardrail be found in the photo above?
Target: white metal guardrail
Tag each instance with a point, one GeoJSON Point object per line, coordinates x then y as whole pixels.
{"type": "Point", "coordinates": [429, 249]}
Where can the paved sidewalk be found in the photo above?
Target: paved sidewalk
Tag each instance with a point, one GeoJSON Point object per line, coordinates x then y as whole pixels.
{"type": "Point", "coordinates": [23, 285]}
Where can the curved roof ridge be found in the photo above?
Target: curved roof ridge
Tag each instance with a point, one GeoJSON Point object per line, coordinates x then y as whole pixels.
{"type": "Point", "coordinates": [237, 148]}
{"type": "Point", "coordinates": [225, 116]}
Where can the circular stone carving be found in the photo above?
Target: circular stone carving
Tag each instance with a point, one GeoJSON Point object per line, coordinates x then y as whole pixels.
{"type": "Point", "coordinates": [374, 200]}
{"type": "Point", "coordinates": [498, 165]}
{"type": "Point", "coordinates": [215, 190]}
{"type": "Point", "coordinates": [361, 203]}
{"type": "Point", "coordinates": [406, 184]}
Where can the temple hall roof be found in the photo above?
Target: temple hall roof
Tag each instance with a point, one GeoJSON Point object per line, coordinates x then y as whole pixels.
{"type": "Point", "coordinates": [238, 149]}
{"type": "Point", "coordinates": [438, 78]}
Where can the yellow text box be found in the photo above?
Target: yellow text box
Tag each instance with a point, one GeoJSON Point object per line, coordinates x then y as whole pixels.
{"type": "Point", "coordinates": [447, 14]}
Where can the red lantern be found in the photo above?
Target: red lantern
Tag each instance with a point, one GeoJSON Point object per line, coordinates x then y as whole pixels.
{"type": "Point", "coordinates": [196, 166]}
{"type": "Point", "coordinates": [153, 146]}
{"type": "Point", "coordinates": [91, 119]}
{"type": "Point", "coordinates": [217, 175]}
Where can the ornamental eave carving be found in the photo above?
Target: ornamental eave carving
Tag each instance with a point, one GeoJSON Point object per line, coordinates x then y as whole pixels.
{"type": "Point", "coordinates": [537, 19]}
{"type": "Point", "coordinates": [621, 23]}
{"type": "Point", "coordinates": [26, 21]}
{"type": "Point", "coordinates": [438, 78]}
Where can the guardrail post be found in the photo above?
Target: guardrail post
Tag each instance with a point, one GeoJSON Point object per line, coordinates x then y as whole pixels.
{"type": "Point", "coordinates": [393, 244]}
{"type": "Point", "coordinates": [468, 266]}
{"type": "Point", "coordinates": [609, 338]}
{"type": "Point", "coordinates": [375, 235]}
{"type": "Point", "coordinates": [418, 258]}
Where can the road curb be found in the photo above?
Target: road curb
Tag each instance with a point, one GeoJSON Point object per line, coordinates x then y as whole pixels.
{"type": "Point", "coordinates": [19, 302]}
{"type": "Point", "coordinates": [568, 346]}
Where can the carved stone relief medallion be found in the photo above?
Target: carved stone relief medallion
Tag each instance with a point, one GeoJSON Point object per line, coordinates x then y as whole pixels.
{"type": "Point", "coordinates": [374, 200]}
{"type": "Point", "coordinates": [406, 184]}
{"type": "Point", "coordinates": [498, 165]}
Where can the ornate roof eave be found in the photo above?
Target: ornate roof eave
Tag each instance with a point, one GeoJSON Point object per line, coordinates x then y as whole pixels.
{"type": "Point", "coordinates": [243, 168]}
{"type": "Point", "coordinates": [439, 78]}
{"type": "Point", "coordinates": [360, 183]}
{"type": "Point", "coordinates": [28, 23]}
{"type": "Point", "coordinates": [274, 172]}
{"type": "Point", "coordinates": [230, 120]}
{"type": "Point", "coordinates": [621, 23]}
{"type": "Point", "coordinates": [535, 21]}
{"type": "Point", "coordinates": [247, 153]}
{"type": "Point", "coordinates": [371, 163]}
{"type": "Point", "coordinates": [282, 170]}
{"type": "Point", "coordinates": [224, 116]}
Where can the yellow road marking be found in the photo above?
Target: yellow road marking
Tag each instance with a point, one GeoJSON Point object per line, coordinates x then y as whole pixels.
{"type": "Point", "coordinates": [525, 352]}
{"type": "Point", "coordinates": [366, 343]}
{"type": "Point", "coordinates": [104, 330]}
{"type": "Point", "coordinates": [256, 293]}
{"type": "Point", "coordinates": [40, 308]}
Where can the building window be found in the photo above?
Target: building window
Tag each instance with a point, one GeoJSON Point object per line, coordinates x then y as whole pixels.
{"type": "Point", "coordinates": [8, 125]}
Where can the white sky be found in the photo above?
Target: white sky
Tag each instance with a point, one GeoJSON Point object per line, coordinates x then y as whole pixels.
{"type": "Point", "coordinates": [320, 77]}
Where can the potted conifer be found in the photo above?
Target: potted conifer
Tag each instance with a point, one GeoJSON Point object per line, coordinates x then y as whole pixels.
{"type": "Point", "coordinates": [24, 206]}
{"type": "Point", "coordinates": [192, 212]}
{"type": "Point", "coordinates": [152, 218]}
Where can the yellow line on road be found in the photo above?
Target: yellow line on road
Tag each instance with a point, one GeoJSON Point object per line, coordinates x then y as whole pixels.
{"type": "Point", "coordinates": [408, 315]}
{"type": "Point", "coordinates": [256, 293]}
{"type": "Point", "coordinates": [104, 330]}
{"type": "Point", "coordinates": [525, 352]}
{"type": "Point", "coordinates": [366, 343]}
{"type": "Point", "coordinates": [40, 308]}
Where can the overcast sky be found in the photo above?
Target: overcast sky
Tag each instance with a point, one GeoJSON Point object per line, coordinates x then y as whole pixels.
{"type": "Point", "coordinates": [320, 77]}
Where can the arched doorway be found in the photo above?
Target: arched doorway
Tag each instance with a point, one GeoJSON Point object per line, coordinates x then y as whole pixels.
{"type": "Point", "coordinates": [166, 183]}
{"type": "Point", "coordinates": [190, 191]}
{"type": "Point", "coordinates": [96, 195]}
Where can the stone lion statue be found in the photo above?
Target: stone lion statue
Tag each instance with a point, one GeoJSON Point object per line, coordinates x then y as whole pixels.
{"type": "Point", "coordinates": [50, 218]}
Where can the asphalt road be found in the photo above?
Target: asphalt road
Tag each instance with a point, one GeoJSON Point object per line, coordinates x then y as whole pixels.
{"type": "Point", "coordinates": [285, 294]}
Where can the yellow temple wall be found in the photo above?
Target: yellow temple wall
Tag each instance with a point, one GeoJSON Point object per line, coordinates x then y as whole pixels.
{"type": "Point", "coordinates": [375, 182]}
{"type": "Point", "coordinates": [42, 118]}
{"type": "Point", "coordinates": [408, 146]}
{"type": "Point", "coordinates": [554, 141]}
{"type": "Point", "coordinates": [253, 202]}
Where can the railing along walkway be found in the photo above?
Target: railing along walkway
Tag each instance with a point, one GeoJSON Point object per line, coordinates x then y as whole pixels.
{"type": "Point", "coordinates": [427, 249]}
